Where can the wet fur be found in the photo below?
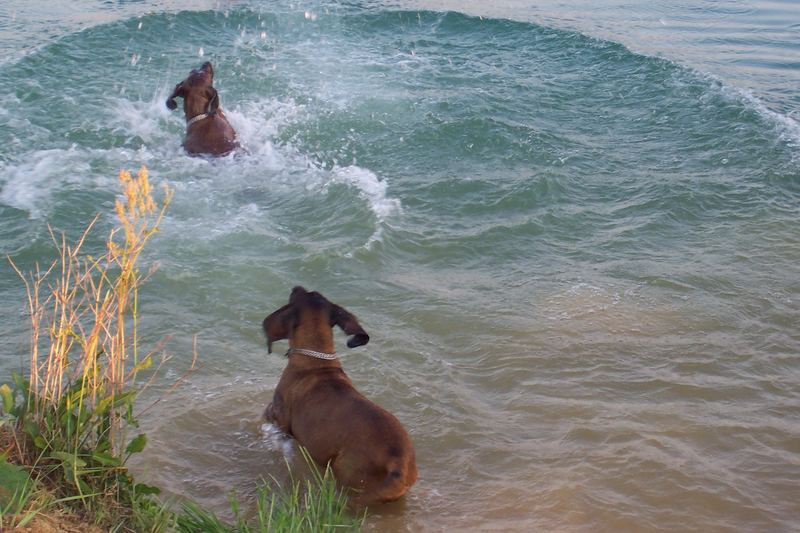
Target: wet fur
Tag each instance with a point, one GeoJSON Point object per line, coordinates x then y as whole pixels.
{"type": "Point", "coordinates": [214, 135]}
{"type": "Point", "coordinates": [367, 447]}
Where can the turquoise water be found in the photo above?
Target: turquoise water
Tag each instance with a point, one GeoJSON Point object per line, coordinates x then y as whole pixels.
{"type": "Point", "coordinates": [571, 231]}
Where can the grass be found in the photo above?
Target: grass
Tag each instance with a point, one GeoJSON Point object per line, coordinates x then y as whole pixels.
{"type": "Point", "coordinates": [68, 421]}
{"type": "Point", "coordinates": [315, 504]}
{"type": "Point", "coordinates": [68, 427]}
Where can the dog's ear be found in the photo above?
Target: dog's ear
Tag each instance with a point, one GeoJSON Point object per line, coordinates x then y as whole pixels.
{"type": "Point", "coordinates": [176, 92]}
{"type": "Point", "coordinates": [278, 325]}
{"type": "Point", "coordinates": [213, 101]}
{"type": "Point", "coordinates": [349, 324]}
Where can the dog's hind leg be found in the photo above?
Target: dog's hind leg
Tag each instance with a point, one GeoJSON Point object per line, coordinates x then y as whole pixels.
{"type": "Point", "coordinates": [371, 483]}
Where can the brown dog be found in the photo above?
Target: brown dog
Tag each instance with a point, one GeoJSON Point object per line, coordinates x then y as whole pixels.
{"type": "Point", "coordinates": [207, 130]}
{"type": "Point", "coordinates": [367, 448]}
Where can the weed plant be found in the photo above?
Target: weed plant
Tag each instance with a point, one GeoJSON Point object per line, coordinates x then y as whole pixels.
{"type": "Point", "coordinates": [316, 504]}
{"type": "Point", "coordinates": [67, 421]}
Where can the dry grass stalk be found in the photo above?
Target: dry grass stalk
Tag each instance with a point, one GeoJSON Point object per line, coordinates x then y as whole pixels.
{"type": "Point", "coordinates": [84, 309]}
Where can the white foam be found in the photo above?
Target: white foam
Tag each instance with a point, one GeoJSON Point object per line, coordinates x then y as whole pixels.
{"type": "Point", "coordinates": [277, 440]}
{"type": "Point", "coordinates": [30, 185]}
{"type": "Point", "coordinates": [258, 123]}
{"type": "Point", "coordinates": [214, 187]}
{"type": "Point", "coordinates": [787, 127]}
{"type": "Point", "coordinates": [147, 119]}
{"type": "Point", "coordinates": [373, 190]}
{"type": "Point", "coordinates": [34, 180]}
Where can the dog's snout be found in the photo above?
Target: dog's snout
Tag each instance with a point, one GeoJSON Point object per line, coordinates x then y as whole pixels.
{"type": "Point", "coordinates": [301, 297]}
{"type": "Point", "coordinates": [297, 293]}
{"type": "Point", "coordinates": [201, 75]}
{"type": "Point", "coordinates": [207, 68]}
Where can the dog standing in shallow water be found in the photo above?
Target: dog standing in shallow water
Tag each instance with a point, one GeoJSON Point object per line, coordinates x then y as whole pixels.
{"type": "Point", "coordinates": [207, 130]}
{"type": "Point", "coordinates": [366, 446]}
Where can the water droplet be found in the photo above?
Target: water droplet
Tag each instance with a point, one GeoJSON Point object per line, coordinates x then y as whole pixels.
{"type": "Point", "coordinates": [263, 35]}
{"type": "Point", "coordinates": [201, 52]}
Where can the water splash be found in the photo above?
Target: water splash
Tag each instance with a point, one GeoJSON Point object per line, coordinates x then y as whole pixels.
{"type": "Point", "coordinates": [277, 440]}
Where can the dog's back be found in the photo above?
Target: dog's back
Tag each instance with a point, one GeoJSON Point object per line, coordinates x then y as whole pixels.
{"type": "Point", "coordinates": [368, 448]}
{"type": "Point", "coordinates": [212, 136]}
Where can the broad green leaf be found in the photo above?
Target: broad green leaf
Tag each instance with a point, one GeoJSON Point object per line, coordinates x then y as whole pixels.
{"type": "Point", "coordinates": [141, 488]}
{"type": "Point", "coordinates": [143, 365]}
{"type": "Point", "coordinates": [103, 446]}
{"type": "Point", "coordinates": [137, 444]}
{"type": "Point", "coordinates": [20, 382]}
{"type": "Point", "coordinates": [129, 416]}
{"type": "Point", "coordinates": [85, 488]}
{"type": "Point", "coordinates": [83, 417]}
{"type": "Point", "coordinates": [15, 487]}
{"type": "Point", "coordinates": [8, 397]}
{"type": "Point", "coordinates": [103, 405]}
{"type": "Point", "coordinates": [31, 428]}
{"type": "Point", "coordinates": [69, 459]}
{"type": "Point", "coordinates": [79, 393]}
{"type": "Point", "coordinates": [106, 459]}
{"type": "Point", "coordinates": [124, 398]}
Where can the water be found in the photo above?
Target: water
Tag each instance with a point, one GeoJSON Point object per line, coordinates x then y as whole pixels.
{"type": "Point", "coordinates": [571, 231]}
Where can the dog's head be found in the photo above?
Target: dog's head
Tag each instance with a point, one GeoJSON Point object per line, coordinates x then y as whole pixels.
{"type": "Point", "coordinates": [310, 313]}
{"type": "Point", "coordinates": [199, 96]}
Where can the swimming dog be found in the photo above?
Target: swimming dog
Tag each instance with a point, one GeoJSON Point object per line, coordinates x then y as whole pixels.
{"type": "Point", "coordinates": [208, 132]}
